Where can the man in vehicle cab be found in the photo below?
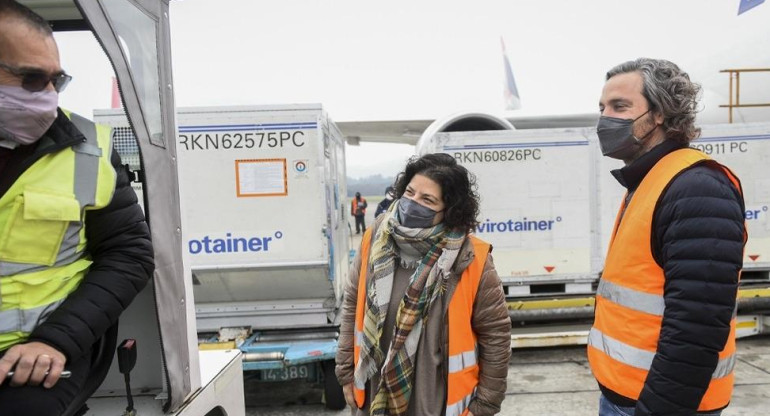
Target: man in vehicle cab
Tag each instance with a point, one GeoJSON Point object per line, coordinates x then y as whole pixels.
{"type": "Point", "coordinates": [74, 245]}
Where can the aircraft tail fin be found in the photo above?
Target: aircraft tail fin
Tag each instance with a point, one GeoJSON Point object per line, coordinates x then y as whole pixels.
{"type": "Point", "coordinates": [510, 92]}
{"type": "Point", "coordinates": [747, 5]}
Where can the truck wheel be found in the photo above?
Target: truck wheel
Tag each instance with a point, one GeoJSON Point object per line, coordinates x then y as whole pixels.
{"type": "Point", "coordinates": [334, 398]}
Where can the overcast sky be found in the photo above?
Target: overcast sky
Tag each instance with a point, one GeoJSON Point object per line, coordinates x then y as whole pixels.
{"type": "Point", "coordinates": [367, 60]}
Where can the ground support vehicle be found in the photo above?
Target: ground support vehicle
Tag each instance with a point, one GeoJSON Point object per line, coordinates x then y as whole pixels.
{"type": "Point", "coordinates": [265, 231]}
{"type": "Point", "coordinates": [170, 375]}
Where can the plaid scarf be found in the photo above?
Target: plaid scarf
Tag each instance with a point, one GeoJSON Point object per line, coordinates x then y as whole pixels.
{"type": "Point", "coordinates": [396, 366]}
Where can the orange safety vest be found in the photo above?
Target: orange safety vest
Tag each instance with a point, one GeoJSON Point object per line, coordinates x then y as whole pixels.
{"type": "Point", "coordinates": [462, 365]}
{"type": "Point", "coordinates": [354, 206]}
{"type": "Point", "coordinates": [629, 300]}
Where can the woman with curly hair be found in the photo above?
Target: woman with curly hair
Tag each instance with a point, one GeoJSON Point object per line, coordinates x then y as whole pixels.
{"type": "Point", "coordinates": [425, 327]}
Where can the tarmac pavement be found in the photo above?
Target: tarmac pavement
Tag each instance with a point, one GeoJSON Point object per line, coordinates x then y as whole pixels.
{"type": "Point", "coordinates": [544, 381]}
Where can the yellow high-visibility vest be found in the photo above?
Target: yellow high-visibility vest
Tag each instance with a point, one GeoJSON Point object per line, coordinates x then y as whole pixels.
{"type": "Point", "coordinates": [42, 229]}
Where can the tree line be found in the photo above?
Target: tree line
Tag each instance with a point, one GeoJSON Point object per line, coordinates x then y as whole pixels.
{"type": "Point", "coordinates": [369, 186]}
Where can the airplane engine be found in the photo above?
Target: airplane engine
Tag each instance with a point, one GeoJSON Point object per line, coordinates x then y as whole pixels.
{"type": "Point", "coordinates": [463, 122]}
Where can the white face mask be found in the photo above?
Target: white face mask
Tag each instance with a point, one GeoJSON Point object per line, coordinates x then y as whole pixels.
{"type": "Point", "coordinates": [25, 116]}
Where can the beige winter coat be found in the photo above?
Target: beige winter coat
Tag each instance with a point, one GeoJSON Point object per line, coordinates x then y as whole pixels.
{"type": "Point", "coordinates": [490, 322]}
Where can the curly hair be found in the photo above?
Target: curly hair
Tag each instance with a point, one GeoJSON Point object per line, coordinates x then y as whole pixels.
{"type": "Point", "coordinates": [458, 187]}
{"type": "Point", "coordinates": [669, 92]}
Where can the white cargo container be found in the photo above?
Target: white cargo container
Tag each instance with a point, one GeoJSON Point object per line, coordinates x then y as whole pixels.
{"type": "Point", "coordinates": [264, 219]}
{"type": "Point", "coordinates": [264, 227]}
{"type": "Point", "coordinates": [538, 204]}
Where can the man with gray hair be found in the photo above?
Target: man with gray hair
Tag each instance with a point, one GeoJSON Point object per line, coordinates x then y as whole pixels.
{"type": "Point", "coordinates": [663, 339]}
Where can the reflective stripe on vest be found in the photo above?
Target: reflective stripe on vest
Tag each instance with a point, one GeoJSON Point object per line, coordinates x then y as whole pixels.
{"type": "Point", "coordinates": [630, 304]}
{"type": "Point", "coordinates": [42, 237]}
{"type": "Point", "coordinates": [359, 386]}
{"type": "Point", "coordinates": [461, 407]}
{"type": "Point", "coordinates": [456, 366]}
{"type": "Point", "coordinates": [25, 320]}
{"type": "Point", "coordinates": [462, 360]}
{"type": "Point", "coordinates": [642, 359]}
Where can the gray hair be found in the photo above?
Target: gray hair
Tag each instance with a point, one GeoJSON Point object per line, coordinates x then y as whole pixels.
{"type": "Point", "coordinates": [669, 92]}
{"type": "Point", "coordinates": [12, 9]}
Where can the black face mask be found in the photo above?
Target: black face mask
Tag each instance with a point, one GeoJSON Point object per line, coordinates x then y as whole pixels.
{"type": "Point", "coordinates": [414, 215]}
{"type": "Point", "coordinates": [616, 136]}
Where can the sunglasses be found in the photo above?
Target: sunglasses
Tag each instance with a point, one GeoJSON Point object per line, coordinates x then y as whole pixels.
{"type": "Point", "coordinates": [34, 80]}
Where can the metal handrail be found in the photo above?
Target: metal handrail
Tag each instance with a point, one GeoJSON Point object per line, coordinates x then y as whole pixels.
{"type": "Point", "coordinates": [735, 74]}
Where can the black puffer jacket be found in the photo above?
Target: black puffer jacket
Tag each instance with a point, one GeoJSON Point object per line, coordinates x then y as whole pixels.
{"type": "Point", "coordinates": [697, 238]}
{"type": "Point", "coordinates": [119, 246]}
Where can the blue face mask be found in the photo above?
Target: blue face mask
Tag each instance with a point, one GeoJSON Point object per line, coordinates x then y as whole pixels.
{"type": "Point", "coordinates": [413, 215]}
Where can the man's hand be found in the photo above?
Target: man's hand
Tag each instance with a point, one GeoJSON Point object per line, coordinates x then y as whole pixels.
{"type": "Point", "coordinates": [350, 398]}
{"type": "Point", "coordinates": [30, 363]}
